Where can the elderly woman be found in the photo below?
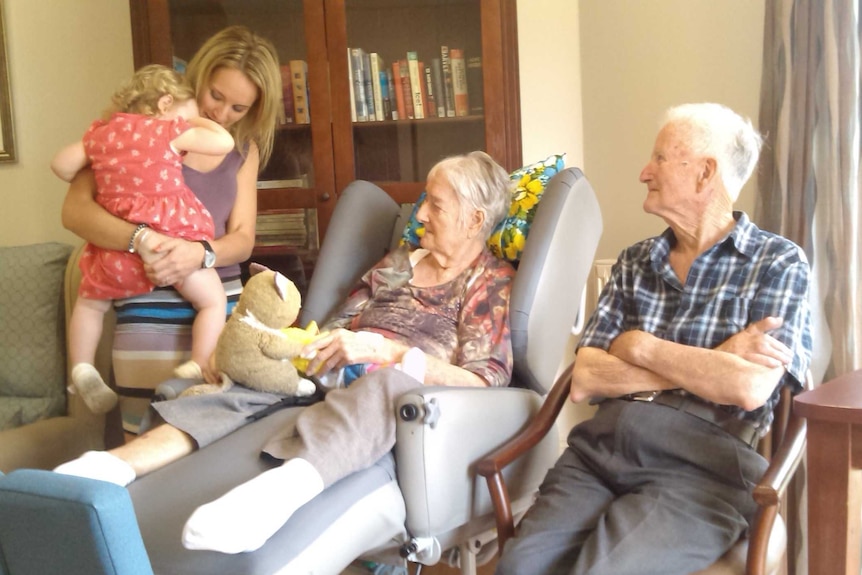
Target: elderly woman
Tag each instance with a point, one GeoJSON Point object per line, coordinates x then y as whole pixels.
{"type": "Point", "coordinates": [448, 299]}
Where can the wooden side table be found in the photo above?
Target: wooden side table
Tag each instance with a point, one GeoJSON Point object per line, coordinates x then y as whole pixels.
{"type": "Point", "coordinates": [834, 414]}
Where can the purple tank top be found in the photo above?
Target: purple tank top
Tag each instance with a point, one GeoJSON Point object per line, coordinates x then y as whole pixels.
{"type": "Point", "coordinates": [217, 190]}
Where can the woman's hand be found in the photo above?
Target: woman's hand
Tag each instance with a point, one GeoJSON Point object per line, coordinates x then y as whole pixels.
{"type": "Point", "coordinates": [342, 347]}
{"type": "Point", "coordinates": [177, 259]}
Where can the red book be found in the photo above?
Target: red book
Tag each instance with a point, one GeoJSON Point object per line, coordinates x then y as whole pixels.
{"type": "Point", "coordinates": [399, 93]}
{"type": "Point", "coordinates": [459, 82]}
{"type": "Point", "coordinates": [287, 93]}
{"type": "Point", "coordinates": [406, 90]}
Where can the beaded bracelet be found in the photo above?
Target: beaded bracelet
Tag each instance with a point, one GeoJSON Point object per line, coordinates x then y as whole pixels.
{"type": "Point", "coordinates": [138, 230]}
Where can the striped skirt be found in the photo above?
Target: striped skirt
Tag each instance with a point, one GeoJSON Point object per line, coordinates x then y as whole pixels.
{"type": "Point", "coordinates": [152, 337]}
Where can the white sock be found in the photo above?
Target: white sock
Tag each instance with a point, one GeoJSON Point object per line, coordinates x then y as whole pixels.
{"type": "Point", "coordinates": [189, 370]}
{"type": "Point", "coordinates": [413, 364]}
{"type": "Point", "coordinates": [245, 517]}
{"type": "Point", "coordinates": [88, 383]}
{"type": "Point", "coordinates": [99, 465]}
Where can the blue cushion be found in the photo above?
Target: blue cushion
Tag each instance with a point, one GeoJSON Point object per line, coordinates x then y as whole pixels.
{"type": "Point", "coordinates": [53, 523]}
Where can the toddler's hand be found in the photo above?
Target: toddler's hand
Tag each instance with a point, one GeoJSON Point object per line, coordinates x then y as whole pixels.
{"type": "Point", "coordinates": [147, 246]}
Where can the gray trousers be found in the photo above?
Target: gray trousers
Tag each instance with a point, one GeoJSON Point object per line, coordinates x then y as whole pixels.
{"type": "Point", "coordinates": [641, 489]}
{"type": "Point", "coordinates": [350, 429]}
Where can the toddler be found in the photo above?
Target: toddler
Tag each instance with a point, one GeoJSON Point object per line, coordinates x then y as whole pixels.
{"type": "Point", "coordinates": [136, 154]}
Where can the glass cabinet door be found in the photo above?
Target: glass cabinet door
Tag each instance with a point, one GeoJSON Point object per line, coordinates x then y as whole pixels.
{"type": "Point", "coordinates": [408, 82]}
{"type": "Point", "coordinates": [292, 198]}
{"type": "Point", "coordinates": [282, 23]}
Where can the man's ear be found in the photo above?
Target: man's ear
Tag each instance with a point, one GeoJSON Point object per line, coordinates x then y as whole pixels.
{"type": "Point", "coordinates": [707, 172]}
{"type": "Point", "coordinates": [165, 103]}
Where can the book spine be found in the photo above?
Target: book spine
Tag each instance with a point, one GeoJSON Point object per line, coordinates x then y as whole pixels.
{"type": "Point", "coordinates": [400, 105]}
{"type": "Point", "coordinates": [475, 85]}
{"type": "Point", "coordinates": [406, 89]}
{"type": "Point", "coordinates": [287, 93]}
{"type": "Point", "coordinates": [385, 102]}
{"type": "Point", "coordinates": [437, 81]}
{"type": "Point", "coordinates": [376, 86]}
{"type": "Point", "coordinates": [358, 85]}
{"type": "Point", "coordinates": [448, 87]}
{"type": "Point", "coordinates": [459, 82]}
{"type": "Point", "coordinates": [368, 83]}
{"type": "Point", "coordinates": [299, 76]}
{"type": "Point", "coordinates": [416, 82]}
{"type": "Point", "coordinates": [393, 93]}
{"type": "Point", "coordinates": [430, 94]}
{"type": "Point", "coordinates": [350, 83]}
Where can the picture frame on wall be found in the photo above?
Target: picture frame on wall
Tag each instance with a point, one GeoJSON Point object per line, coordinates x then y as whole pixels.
{"type": "Point", "coordinates": [7, 133]}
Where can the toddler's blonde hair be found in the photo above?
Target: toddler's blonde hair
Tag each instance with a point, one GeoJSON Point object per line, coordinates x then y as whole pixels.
{"type": "Point", "coordinates": [141, 93]}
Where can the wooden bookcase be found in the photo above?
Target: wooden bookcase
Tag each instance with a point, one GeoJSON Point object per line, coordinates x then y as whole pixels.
{"type": "Point", "coordinates": [332, 150]}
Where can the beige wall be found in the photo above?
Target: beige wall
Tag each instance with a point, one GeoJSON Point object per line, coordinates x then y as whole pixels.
{"type": "Point", "coordinates": [550, 72]}
{"type": "Point", "coordinates": [639, 58]}
{"type": "Point", "coordinates": [66, 57]}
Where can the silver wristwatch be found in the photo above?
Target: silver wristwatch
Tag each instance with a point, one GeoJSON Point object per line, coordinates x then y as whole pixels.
{"type": "Point", "coordinates": [209, 255]}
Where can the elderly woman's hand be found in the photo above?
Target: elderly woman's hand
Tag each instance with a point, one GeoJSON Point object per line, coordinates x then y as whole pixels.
{"type": "Point", "coordinates": [177, 259]}
{"type": "Point", "coordinates": [342, 347]}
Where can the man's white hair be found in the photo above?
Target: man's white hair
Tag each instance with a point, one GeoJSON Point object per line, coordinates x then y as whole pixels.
{"type": "Point", "coordinates": [717, 131]}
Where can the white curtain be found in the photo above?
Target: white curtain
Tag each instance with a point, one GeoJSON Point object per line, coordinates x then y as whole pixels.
{"type": "Point", "coordinates": [810, 175]}
{"type": "Point", "coordinates": [810, 180]}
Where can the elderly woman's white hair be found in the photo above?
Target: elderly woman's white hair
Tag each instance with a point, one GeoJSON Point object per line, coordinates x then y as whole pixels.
{"type": "Point", "coordinates": [480, 183]}
{"type": "Point", "coordinates": [717, 131]}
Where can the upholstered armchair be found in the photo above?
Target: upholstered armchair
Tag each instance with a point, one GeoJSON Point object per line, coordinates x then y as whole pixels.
{"type": "Point", "coordinates": [41, 425]}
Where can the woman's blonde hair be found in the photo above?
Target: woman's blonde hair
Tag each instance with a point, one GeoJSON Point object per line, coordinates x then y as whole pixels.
{"type": "Point", "coordinates": [239, 48]}
{"type": "Point", "coordinates": [142, 92]}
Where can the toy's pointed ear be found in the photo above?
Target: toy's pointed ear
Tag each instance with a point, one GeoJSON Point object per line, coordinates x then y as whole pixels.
{"type": "Point", "coordinates": [256, 268]}
{"type": "Point", "coordinates": [281, 285]}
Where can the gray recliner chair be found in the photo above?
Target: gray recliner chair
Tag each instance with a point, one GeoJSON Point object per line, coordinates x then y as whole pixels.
{"type": "Point", "coordinates": [434, 503]}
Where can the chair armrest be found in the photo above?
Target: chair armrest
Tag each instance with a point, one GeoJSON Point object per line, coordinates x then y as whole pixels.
{"type": "Point", "coordinates": [492, 466]}
{"type": "Point", "coordinates": [441, 433]}
{"type": "Point", "coordinates": [771, 488]}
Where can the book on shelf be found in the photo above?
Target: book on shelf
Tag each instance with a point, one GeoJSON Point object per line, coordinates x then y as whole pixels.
{"type": "Point", "coordinates": [474, 85]}
{"type": "Point", "coordinates": [289, 227]}
{"type": "Point", "coordinates": [397, 92]}
{"type": "Point", "coordinates": [350, 84]}
{"type": "Point", "coordinates": [393, 94]}
{"type": "Point", "coordinates": [299, 85]}
{"type": "Point", "coordinates": [385, 101]}
{"type": "Point", "coordinates": [287, 93]}
{"type": "Point", "coordinates": [356, 64]}
{"type": "Point", "coordinates": [369, 86]}
{"type": "Point", "coordinates": [301, 181]}
{"type": "Point", "coordinates": [430, 94]}
{"type": "Point", "coordinates": [406, 90]}
{"type": "Point", "coordinates": [376, 86]}
{"type": "Point", "coordinates": [448, 87]}
{"type": "Point", "coordinates": [437, 82]}
{"type": "Point", "coordinates": [416, 82]}
{"type": "Point", "coordinates": [459, 82]}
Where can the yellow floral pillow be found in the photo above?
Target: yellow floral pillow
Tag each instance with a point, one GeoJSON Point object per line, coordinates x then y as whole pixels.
{"type": "Point", "coordinates": [507, 240]}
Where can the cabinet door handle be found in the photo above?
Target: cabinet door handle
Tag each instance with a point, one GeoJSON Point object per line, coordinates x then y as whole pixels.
{"type": "Point", "coordinates": [324, 197]}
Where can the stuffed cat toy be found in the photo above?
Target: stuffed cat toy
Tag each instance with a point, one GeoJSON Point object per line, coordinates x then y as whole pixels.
{"type": "Point", "coordinates": [257, 348]}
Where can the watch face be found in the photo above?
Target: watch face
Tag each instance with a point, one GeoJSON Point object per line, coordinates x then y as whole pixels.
{"type": "Point", "coordinates": [209, 255]}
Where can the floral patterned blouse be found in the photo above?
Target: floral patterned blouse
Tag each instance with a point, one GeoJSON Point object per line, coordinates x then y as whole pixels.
{"type": "Point", "coordinates": [464, 322]}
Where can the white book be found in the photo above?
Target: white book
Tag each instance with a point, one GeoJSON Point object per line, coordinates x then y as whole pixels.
{"type": "Point", "coordinates": [416, 79]}
{"type": "Point", "coordinates": [376, 67]}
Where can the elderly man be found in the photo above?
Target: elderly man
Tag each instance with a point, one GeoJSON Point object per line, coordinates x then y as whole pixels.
{"type": "Point", "coordinates": [694, 335]}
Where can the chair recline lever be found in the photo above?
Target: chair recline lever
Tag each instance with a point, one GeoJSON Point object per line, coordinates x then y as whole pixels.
{"type": "Point", "coordinates": [428, 411]}
{"type": "Point", "coordinates": [421, 550]}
